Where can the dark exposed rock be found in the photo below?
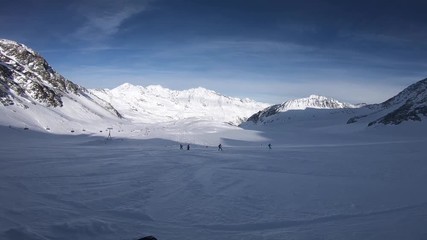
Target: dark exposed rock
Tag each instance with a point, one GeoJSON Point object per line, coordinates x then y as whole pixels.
{"type": "Point", "coordinates": [409, 104]}
{"type": "Point", "coordinates": [264, 113]}
{"type": "Point", "coordinates": [26, 74]}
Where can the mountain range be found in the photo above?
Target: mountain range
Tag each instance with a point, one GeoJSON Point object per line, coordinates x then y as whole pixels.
{"type": "Point", "coordinates": [157, 104]}
{"type": "Point", "coordinates": [33, 94]}
{"type": "Point", "coordinates": [409, 104]}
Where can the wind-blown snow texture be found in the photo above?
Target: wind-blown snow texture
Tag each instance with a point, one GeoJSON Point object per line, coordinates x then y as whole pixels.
{"type": "Point", "coordinates": [317, 182]}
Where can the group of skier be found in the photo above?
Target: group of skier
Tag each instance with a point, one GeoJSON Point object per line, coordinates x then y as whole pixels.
{"type": "Point", "coordinates": [181, 147]}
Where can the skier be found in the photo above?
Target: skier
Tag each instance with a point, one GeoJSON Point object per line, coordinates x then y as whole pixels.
{"type": "Point", "coordinates": [269, 145]}
{"type": "Point", "coordinates": [220, 147]}
{"type": "Point", "coordinates": [181, 147]}
{"type": "Point", "coordinates": [188, 146]}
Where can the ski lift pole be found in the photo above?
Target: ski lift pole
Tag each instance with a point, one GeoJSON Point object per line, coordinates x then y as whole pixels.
{"type": "Point", "coordinates": [109, 132]}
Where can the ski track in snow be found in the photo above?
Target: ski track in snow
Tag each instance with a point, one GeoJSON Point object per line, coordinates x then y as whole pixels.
{"type": "Point", "coordinates": [82, 187]}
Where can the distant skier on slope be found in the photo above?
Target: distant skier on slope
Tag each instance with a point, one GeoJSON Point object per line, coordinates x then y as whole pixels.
{"type": "Point", "coordinates": [269, 145]}
{"type": "Point", "coordinates": [188, 146]}
{"type": "Point", "coordinates": [181, 147]}
{"type": "Point", "coordinates": [220, 147]}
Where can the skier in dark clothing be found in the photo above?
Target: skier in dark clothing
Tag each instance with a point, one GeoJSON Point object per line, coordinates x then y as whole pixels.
{"type": "Point", "coordinates": [188, 146]}
{"type": "Point", "coordinates": [269, 145]}
{"type": "Point", "coordinates": [220, 147]}
{"type": "Point", "coordinates": [181, 147]}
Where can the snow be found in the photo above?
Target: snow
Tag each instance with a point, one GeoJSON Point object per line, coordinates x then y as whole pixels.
{"type": "Point", "coordinates": [322, 180]}
{"type": "Point", "coordinates": [157, 104]}
{"type": "Point", "coordinates": [19, 46]}
{"type": "Point", "coordinates": [61, 177]}
{"type": "Point", "coordinates": [313, 101]}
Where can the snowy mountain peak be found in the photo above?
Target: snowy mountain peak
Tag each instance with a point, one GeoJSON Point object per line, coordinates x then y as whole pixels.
{"type": "Point", "coordinates": [27, 75]}
{"type": "Point", "coordinates": [21, 47]}
{"type": "Point", "coordinates": [155, 103]}
{"type": "Point", "coordinates": [313, 96]}
{"type": "Point", "coordinates": [126, 86]}
{"type": "Point", "coordinates": [30, 87]}
{"type": "Point", "coordinates": [313, 101]}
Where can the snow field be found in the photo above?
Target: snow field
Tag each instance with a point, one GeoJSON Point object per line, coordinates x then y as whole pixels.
{"type": "Point", "coordinates": [82, 187]}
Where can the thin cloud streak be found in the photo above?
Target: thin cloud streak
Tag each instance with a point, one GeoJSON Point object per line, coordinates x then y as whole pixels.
{"type": "Point", "coordinates": [103, 19]}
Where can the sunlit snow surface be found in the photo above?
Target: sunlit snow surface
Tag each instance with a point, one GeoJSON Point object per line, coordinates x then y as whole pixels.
{"type": "Point", "coordinates": [316, 183]}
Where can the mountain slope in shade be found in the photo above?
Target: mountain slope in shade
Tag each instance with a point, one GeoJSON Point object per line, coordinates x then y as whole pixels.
{"type": "Point", "coordinates": [311, 102]}
{"type": "Point", "coordinates": [157, 104]}
{"type": "Point", "coordinates": [29, 87]}
{"type": "Point", "coordinates": [409, 104]}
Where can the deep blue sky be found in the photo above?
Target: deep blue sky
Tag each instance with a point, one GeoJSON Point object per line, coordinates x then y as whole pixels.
{"type": "Point", "coordinates": [355, 51]}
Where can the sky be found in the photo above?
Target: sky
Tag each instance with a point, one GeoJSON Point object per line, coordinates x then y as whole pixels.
{"type": "Point", "coordinates": [267, 50]}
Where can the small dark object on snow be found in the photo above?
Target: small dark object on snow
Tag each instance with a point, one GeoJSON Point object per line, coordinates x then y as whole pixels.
{"type": "Point", "coordinates": [148, 238]}
{"type": "Point", "coordinates": [188, 146]}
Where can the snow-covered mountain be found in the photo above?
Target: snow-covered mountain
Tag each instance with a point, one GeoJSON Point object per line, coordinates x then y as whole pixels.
{"type": "Point", "coordinates": [312, 102]}
{"type": "Point", "coordinates": [157, 104]}
{"type": "Point", "coordinates": [409, 104]}
{"type": "Point", "coordinates": [32, 93]}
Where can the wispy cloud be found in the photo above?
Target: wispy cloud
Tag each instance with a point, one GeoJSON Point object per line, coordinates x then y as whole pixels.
{"type": "Point", "coordinates": [103, 19]}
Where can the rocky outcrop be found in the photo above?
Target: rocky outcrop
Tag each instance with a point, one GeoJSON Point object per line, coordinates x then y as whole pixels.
{"type": "Point", "coordinates": [26, 76]}
{"type": "Point", "coordinates": [409, 105]}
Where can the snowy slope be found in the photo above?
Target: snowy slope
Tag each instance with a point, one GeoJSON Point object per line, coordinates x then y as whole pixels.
{"type": "Point", "coordinates": [33, 94]}
{"type": "Point", "coordinates": [313, 184]}
{"type": "Point", "coordinates": [157, 104]}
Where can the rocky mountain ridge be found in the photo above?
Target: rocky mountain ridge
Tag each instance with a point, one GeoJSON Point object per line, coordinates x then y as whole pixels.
{"type": "Point", "coordinates": [26, 77]}
{"type": "Point", "coordinates": [409, 104]}
{"type": "Point", "coordinates": [32, 93]}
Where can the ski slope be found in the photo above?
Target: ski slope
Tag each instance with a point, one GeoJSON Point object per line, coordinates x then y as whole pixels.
{"type": "Point", "coordinates": [316, 183]}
